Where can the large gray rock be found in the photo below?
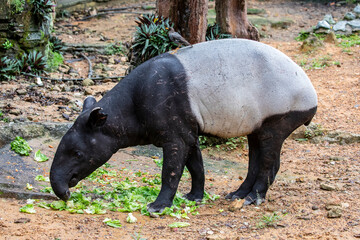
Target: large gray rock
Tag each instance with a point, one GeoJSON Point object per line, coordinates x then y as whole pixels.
{"type": "Point", "coordinates": [323, 24]}
{"type": "Point", "coordinates": [355, 25]}
{"type": "Point", "coordinates": [342, 27]}
{"type": "Point", "coordinates": [28, 130]}
{"type": "Point", "coordinates": [349, 16]}
{"type": "Point", "coordinates": [329, 18]}
{"type": "Point", "coordinates": [357, 10]}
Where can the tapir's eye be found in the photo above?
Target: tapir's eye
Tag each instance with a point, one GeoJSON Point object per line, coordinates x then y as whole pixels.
{"type": "Point", "coordinates": [78, 155]}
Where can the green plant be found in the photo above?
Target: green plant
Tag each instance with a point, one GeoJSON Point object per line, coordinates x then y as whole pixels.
{"type": "Point", "coordinates": [43, 8]}
{"type": "Point", "coordinates": [20, 146]}
{"type": "Point", "coordinates": [314, 131]}
{"type": "Point", "coordinates": [32, 62]}
{"type": "Point", "coordinates": [8, 68]}
{"type": "Point", "coordinates": [304, 35]}
{"type": "Point", "coordinates": [269, 220]}
{"type": "Point", "coordinates": [213, 32]}
{"type": "Point", "coordinates": [349, 41]}
{"type": "Point", "coordinates": [226, 144]}
{"type": "Point", "coordinates": [56, 44]}
{"type": "Point", "coordinates": [55, 59]}
{"type": "Point", "coordinates": [17, 6]}
{"type": "Point", "coordinates": [151, 39]}
{"type": "Point", "coordinates": [114, 48]}
{"type": "Point", "coordinates": [7, 44]}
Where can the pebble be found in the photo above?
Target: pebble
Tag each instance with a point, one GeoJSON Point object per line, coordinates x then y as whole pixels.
{"type": "Point", "coordinates": [39, 82]}
{"type": "Point", "coordinates": [315, 207]}
{"type": "Point", "coordinates": [56, 88]}
{"type": "Point", "coordinates": [88, 91]}
{"type": "Point", "coordinates": [21, 91]}
{"type": "Point", "coordinates": [327, 187]}
{"type": "Point", "coordinates": [77, 95]}
{"type": "Point", "coordinates": [349, 16]}
{"type": "Point", "coordinates": [335, 212]}
{"type": "Point", "coordinates": [236, 205]}
{"type": "Point", "coordinates": [15, 112]}
{"type": "Point", "coordinates": [87, 82]}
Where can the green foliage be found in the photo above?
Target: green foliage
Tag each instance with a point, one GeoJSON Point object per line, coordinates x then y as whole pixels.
{"type": "Point", "coordinates": [43, 8]}
{"type": "Point", "coordinates": [56, 44]}
{"type": "Point", "coordinates": [20, 146]}
{"type": "Point", "coordinates": [8, 68]}
{"type": "Point", "coordinates": [28, 208]}
{"type": "Point", "coordinates": [55, 59]}
{"type": "Point", "coordinates": [151, 38]}
{"type": "Point", "coordinates": [112, 223]}
{"type": "Point", "coordinates": [304, 35]}
{"type": "Point", "coordinates": [40, 157]}
{"type": "Point", "coordinates": [17, 6]}
{"type": "Point", "coordinates": [114, 49]}
{"type": "Point", "coordinates": [349, 41]}
{"type": "Point", "coordinates": [314, 131]}
{"type": "Point", "coordinates": [32, 62]}
{"type": "Point", "coordinates": [179, 224]}
{"type": "Point", "coordinates": [7, 44]}
{"type": "Point", "coordinates": [225, 144]}
{"type": "Point", "coordinates": [269, 220]}
{"type": "Point", "coordinates": [213, 32]}
{"type": "Point", "coordinates": [318, 63]}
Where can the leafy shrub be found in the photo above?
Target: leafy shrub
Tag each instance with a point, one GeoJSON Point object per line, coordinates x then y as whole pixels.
{"type": "Point", "coordinates": [151, 39]}
{"type": "Point", "coordinates": [8, 68]}
{"type": "Point", "coordinates": [32, 62]}
{"type": "Point", "coordinates": [43, 8]}
{"type": "Point", "coordinates": [114, 48]}
{"type": "Point", "coordinates": [55, 44]}
{"type": "Point", "coordinates": [55, 59]}
{"type": "Point", "coordinates": [226, 144]}
{"type": "Point", "coordinates": [213, 32]}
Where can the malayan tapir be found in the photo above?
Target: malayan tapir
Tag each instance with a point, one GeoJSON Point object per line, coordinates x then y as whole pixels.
{"type": "Point", "coordinates": [224, 88]}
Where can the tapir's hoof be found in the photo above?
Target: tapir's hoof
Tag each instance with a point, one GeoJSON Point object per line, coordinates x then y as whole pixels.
{"type": "Point", "coordinates": [157, 208]}
{"type": "Point", "coordinates": [194, 197]}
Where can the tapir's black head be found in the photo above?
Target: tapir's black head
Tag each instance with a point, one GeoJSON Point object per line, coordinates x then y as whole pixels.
{"type": "Point", "coordinates": [84, 148]}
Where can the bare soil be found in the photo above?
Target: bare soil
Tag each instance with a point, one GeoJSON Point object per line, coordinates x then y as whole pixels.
{"type": "Point", "coordinates": [295, 196]}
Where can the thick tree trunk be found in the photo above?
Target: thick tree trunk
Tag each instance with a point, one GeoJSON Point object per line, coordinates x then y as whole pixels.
{"type": "Point", "coordinates": [188, 16]}
{"type": "Point", "coordinates": [231, 15]}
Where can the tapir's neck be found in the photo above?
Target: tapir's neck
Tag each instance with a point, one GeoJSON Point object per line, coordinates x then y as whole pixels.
{"type": "Point", "coordinates": [122, 123]}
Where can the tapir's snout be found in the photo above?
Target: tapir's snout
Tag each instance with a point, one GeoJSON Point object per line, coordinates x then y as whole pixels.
{"type": "Point", "coordinates": [60, 187]}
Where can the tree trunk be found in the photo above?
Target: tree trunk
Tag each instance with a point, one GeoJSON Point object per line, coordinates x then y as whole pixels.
{"type": "Point", "coordinates": [231, 15]}
{"type": "Point", "coordinates": [188, 16]}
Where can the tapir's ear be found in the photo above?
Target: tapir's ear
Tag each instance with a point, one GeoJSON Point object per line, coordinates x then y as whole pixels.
{"type": "Point", "coordinates": [97, 118]}
{"type": "Point", "coordinates": [88, 102]}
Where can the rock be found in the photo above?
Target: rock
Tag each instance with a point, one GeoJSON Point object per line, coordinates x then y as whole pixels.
{"type": "Point", "coordinates": [355, 25]}
{"type": "Point", "coordinates": [336, 158]}
{"type": "Point", "coordinates": [323, 24]}
{"type": "Point", "coordinates": [88, 91]}
{"type": "Point", "coordinates": [357, 11]}
{"type": "Point", "coordinates": [22, 220]}
{"type": "Point", "coordinates": [15, 112]}
{"type": "Point", "coordinates": [349, 16]}
{"type": "Point", "coordinates": [311, 43]}
{"type": "Point", "coordinates": [39, 82]}
{"type": "Point", "coordinates": [329, 18]}
{"type": "Point", "coordinates": [65, 88]}
{"type": "Point", "coordinates": [77, 95]}
{"type": "Point", "coordinates": [21, 91]}
{"type": "Point", "coordinates": [56, 89]}
{"type": "Point", "coordinates": [345, 205]}
{"type": "Point", "coordinates": [66, 116]}
{"type": "Point", "coordinates": [340, 26]}
{"type": "Point", "coordinates": [335, 212]}
{"type": "Point", "coordinates": [87, 82]}
{"type": "Point", "coordinates": [123, 59]}
{"type": "Point", "coordinates": [236, 205]}
{"type": "Point", "coordinates": [282, 24]}
{"type": "Point", "coordinates": [330, 38]}
{"type": "Point", "coordinates": [210, 232]}
{"type": "Point", "coordinates": [327, 187]}
{"type": "Point", "coordinates": [111, 60]}
{"type": "Point", "coordinates": [332, 204]}
{"type": "Point", "coordinates": [216, 237]}
{"type": "Point", "coordinates": [315, 207]}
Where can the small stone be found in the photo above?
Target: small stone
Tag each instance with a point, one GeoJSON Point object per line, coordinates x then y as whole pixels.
{"type": "Point", "coordinates": [236, 205]}
{"type": "Point", "coordinates": [216, 237]}
{"type": "Point", "coordinates": [88, 91]}
{"type": "Point", "coordinates": [65, 89]}
{"type": "Point", "coordinates": [106, 80]}
{"type": "Point", "coordinates": [335, 212]}
{"type": "Point", "coordinates": [345, 205]}
{"type": "Point", "coordinates": [210, 232]}
{"type": "Point", "coordinates": [66, 116]}
{"type": "Point", "coordinates": [111, 60]}
{"type": "Point", "coordinates": [22, 220]}
{"type": "Point", "coordinates": [56, 89]}
{"type": "Point", "coordinates": [39, 82]}
{"type": "Point", "coordinates": [314, 207]}
{"type": "Point", "coordinates": [311, 43]}
{"type": "Point", "coordinates": [336, 158]}
{"type": "Point", "coordinates": [77, 95]}
{"type": "Point", "coordinates": [349, 16]}
{"type": "Point", "coordinates": [327, 187]}
{"type": "Point", "coordinates": [15, 112]}
{"type": "Point", "coordinates": [87, 82]}
{"type": "Point", "coordinates": [21, 91]}
{"type": "Point", "coordinates": [123, 59]}
{"type": "Point", "coordinates": [300, 179]}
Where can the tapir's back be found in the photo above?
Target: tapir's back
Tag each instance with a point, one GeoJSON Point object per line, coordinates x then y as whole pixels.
{"type": "Point", "coordinates": [235, 84]}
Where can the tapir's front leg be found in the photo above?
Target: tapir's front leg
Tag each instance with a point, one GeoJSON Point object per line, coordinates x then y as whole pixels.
{"type": "Point", "coordinates": [175, 154]}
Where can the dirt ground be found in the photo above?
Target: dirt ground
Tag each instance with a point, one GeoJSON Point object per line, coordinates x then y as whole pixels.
{"type": "Point", "coordinates": [295, 196]}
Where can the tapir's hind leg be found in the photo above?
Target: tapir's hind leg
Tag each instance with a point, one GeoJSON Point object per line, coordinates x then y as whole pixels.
{"type": "Point", "coordinates": [264, 154]}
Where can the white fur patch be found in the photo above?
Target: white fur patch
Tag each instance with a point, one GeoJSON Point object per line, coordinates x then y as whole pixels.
{"type": "Point", "coordinates": [235, 84]}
